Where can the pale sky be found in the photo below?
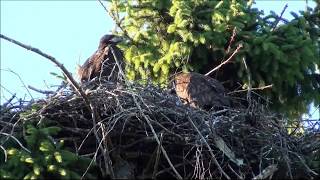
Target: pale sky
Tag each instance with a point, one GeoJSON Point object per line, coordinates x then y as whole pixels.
{"type": "Point", "coordinates": [67, 30]}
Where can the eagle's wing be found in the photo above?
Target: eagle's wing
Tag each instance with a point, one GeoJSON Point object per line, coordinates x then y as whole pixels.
{"type": "Point", "coordinates": [92, 66]}
{"type": "Point", "coordinates": [102, 62]}
{"type": "Point", "coordinates": [200, 90]}
{"type": "Point", "coordinates": [217, 86]}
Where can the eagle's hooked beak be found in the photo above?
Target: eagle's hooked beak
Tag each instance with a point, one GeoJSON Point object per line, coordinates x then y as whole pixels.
{"type": "Point", "coordinates": [116, 39]}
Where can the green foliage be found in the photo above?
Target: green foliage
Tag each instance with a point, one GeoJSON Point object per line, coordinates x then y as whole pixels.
{"type": "Point", "coordinates": [61, 77]}
{"type": "Point", "coordinates": [169, 35]}
{"type": "Point", "coordinates": [43, 158]}
{"type": "Point", "coordinates": [285, 57]}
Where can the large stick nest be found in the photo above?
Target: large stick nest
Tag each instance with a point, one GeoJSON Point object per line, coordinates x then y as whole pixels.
{"type": "Point", "coordinates": [145, 132]}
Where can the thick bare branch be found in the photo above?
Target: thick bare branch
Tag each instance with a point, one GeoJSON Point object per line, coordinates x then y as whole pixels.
{"type": "Point", "coordinates": [70, 79]}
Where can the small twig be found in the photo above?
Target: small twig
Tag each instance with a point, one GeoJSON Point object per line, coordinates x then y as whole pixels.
{"type": "Point", "coordinates": [117, 21]}
{"type": "Point", "coordinates": [209, 148]}
{"type": "Point", "coordinates": [268, 171]}
{"type": "Point", "coordinates": [46, 92]}
{"type": "Point", "coordinates": [7, 90]}
{"type": "Point", "coordinates": [157, 138]}
{"type": "Point", "coordinates": [92, 160]}
{"type": "Point", "coordinates": [104, 7]}
{"type": "Point", "coordinates": [84, 139]}
{"type": "Point", "coordinates": [280, 17]}
{"type": "Point", "coordinates": [258, 88]}
{"type": "Point", "coordinates": [12, 128]}
{"type": "Point", "coordinates": [234, 33]}
{"type": "Point", "coordinates": [118, 63]}
{"type": "Point", "coordinates": [4, 105]}
{"type": "Point", "coordinates": [156, 164]}
{"type": "Point", "coordinates": [311, 120]}
{"type": "Point", "coordinates": [14, 138]}
{"type": "Point", "coordinates": [234, 172]}
{"type": "Point", "coordinates": [285, 153]}
{"type": "Point", "coordinates": [249, 81]}
{"type": "Point", "coordinates": [304, 163]}
{"type": "Point", "coordinates": [5, 153]}
{"type": "Point", "coordinates": [6, 124]}
{"type": "Point", "coordinates": [226, 61]}
{"type": "Point", "coordinates": [20, 79]}
{"type": "Point", "coordinates": [177, 165]}
{"type": "Point", "coordinates": [107, 159]}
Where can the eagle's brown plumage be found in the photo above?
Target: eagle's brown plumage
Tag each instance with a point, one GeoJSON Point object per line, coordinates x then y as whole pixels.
{"type": "Point", "coordinates": [200, 91]}
{"type": "Point", "coordinates": [102, 63]}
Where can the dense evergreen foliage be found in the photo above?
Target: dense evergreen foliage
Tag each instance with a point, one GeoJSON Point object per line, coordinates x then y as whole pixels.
{"type": "Point", "coordinates": [35, 154]}
{"type": "Point", "coordinates": [167, 36]}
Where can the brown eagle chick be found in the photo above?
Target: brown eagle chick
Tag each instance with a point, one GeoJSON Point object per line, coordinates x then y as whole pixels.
{"type": "Point", "coordinates": [200, 91]}
{"type": "Point", "coordinates": [102, 63]}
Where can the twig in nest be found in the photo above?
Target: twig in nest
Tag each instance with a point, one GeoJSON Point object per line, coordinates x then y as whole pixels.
{"type": "Point", "coordinates": [107, 162]}
{"type": "Point", "coordinates": [258, 88]}
{"type": "Point", "coordinates": [46, 92]}
{"type": "Point", "coordinates": [92, 160]}
{"type": "Point", "coordinates": [226, 61]}
{"type": "Point", "coordinates": [118, 64]}
{"type": "Point", "coordinates": [209, 148]}
{"type": "Point", "coordinates": [156, 164]}
{"type": "Point", "coordinates": [155, 136]}
{"type": "Point", "coordinates": [4, 105]}
{"type": "Point", "coordinates": [268, 171]}
{"type": "Point", "coordinates": [304, 164]}
{"type": "Point", "coordinates": [14, 138]}
{"type": "Point", "coordinates": [5, 153]}
{"type": "Point", "coordinates": [285, 153]}
{"type": "Point", "coordinates": [234, 172]}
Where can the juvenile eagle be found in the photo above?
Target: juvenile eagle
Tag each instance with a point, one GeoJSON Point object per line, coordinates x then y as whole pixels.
{"type": "Point", "coordinates": [102, 63]}
{"type": "Point", "coordinates": [200, 91]}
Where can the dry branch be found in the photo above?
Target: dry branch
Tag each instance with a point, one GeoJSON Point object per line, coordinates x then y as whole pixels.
{"type": "Point", "coordinates": [226, 61]}
{"type": "Point", "coordinates": [70, 79]}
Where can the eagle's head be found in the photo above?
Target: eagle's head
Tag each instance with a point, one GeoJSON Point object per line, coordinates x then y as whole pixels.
{"type": "Point", "coordinates": [102, 62]}
{"type": "Point", "coordinates": [109, 39]}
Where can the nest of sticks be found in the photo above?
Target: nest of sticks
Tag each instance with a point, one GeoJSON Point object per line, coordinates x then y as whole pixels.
{"type": "Point", "coordinates": [146, 132]}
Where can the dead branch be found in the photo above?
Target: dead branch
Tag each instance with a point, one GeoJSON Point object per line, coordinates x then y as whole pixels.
{"type": "Point", "coordinates": [70, 79]}
{"type": "Point", "coordinates": [46, 92]}
{"type": "Point", "coordinates": [257, 88]}
{"type": "Point", "coordinates": [226, 61]}
{"type": "Point", "coordinates": [52, 59]}
{"type": "Point", "coordinates": [280, 17]}
{"type": "Point", "coordinates": [234, 33]}
{"type": "Point", "coordinates": [210, 150]}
